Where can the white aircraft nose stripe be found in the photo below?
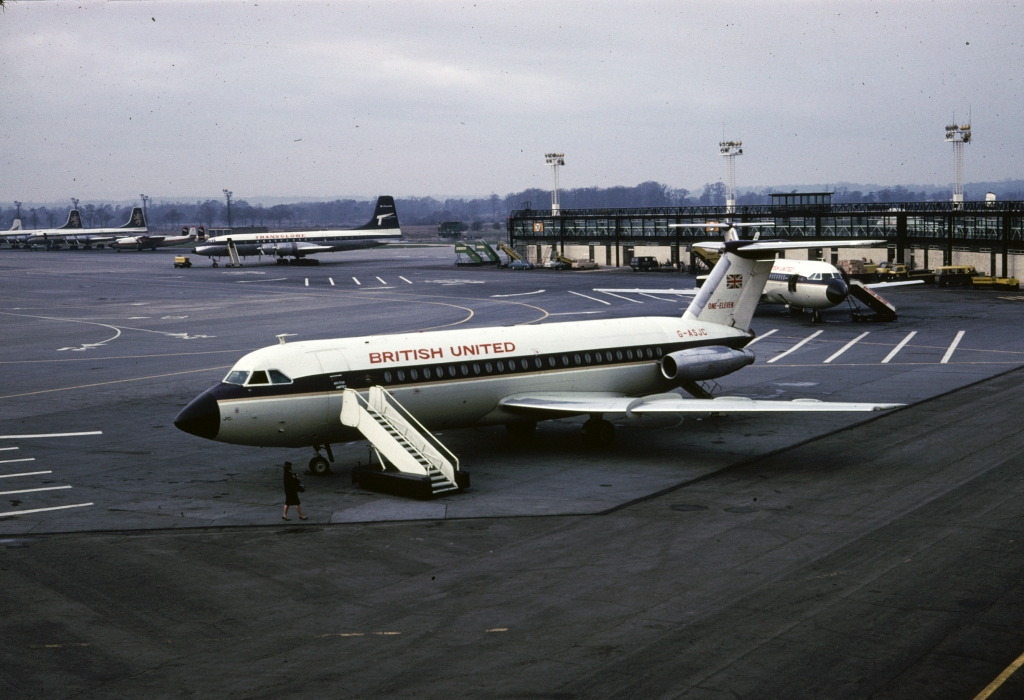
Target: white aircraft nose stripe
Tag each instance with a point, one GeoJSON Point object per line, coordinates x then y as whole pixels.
{"type": "Point", "coordinates": [796, 347]}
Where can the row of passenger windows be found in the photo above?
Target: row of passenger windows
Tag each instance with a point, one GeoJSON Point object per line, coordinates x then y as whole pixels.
{"type": "Point", "coordinates": [270, 376]}
{"type": "Point", "coordinates": [520, 365]}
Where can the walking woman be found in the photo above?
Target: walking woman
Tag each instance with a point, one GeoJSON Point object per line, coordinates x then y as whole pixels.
{"type": "Point", "coordinates": [292, 486]}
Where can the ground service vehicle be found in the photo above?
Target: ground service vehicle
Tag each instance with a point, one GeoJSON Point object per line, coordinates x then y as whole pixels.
{"type": "Point", "coordinates": [520, 265]}
{"type": "Point", "coordinates": [644, 263]}
{"type": "Point", "coordinates": [888, 271]}
{"type": "Point", "coordinates": [182, 261]}
{"type": "Point", "coordinates": [959, 275]}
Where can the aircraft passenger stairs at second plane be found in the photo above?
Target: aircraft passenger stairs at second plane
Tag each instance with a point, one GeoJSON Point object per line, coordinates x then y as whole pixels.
{"type": "Point", "coordinates": [310, 393]}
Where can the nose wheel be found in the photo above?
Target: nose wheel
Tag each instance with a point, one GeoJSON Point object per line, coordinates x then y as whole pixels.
{"type": "Point", "coordinates": [320, 465]}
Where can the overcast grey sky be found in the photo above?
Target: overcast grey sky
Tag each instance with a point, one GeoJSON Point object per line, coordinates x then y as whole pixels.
{"type": "Point", "coordinates": [108, 99]}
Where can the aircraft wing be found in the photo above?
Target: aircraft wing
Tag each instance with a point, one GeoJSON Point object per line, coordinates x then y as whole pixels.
{"type": "Point", "coordinates": [307, 248]}
{"type": "Point", "coordinates": [575, 403]}
{"type": "Point", "coordinates": [879, 285]}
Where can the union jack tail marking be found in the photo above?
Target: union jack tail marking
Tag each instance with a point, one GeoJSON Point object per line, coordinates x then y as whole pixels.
{"type": "Point", "coordinates": [733, 281]}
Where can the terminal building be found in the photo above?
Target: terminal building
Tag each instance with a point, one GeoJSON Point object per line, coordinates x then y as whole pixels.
{"type": "Point", "coordinates": [987, 234]}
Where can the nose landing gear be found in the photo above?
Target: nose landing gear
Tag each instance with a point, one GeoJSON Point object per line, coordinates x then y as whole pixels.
{"type": "Point", "coordinates": [320, 465]}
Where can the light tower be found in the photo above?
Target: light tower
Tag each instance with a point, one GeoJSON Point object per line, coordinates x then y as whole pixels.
{"type": "Point", "coordinates": [554, 160]}
{"type": "Point", "coordinates": [75, 202]}
{"type": "Point", "coordinates": [958, 136]}
{"type": "Point", "coordinates": [18, 206]}
{"type": "Point", "coordinates": [145, 199]}
{"type": "Point", "coordinates": [730, 149]}
{"type": "Point", "coordinates": [228, 194]}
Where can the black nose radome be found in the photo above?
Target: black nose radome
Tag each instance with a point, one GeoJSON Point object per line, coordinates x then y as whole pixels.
{"type": "Point", "coordinates": [836, 291]}
{"type": "Point", "coordinates": [201, 417]}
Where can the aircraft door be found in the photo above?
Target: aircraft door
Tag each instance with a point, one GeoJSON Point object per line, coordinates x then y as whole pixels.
{"type": "Point", "coordinates": [334, 365]}
{"type": "Point", "coordinates": [792, 282]}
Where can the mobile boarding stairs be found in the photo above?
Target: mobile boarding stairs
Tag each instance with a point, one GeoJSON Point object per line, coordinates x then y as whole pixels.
{"type": "Point", "coordinates": [412, 461]}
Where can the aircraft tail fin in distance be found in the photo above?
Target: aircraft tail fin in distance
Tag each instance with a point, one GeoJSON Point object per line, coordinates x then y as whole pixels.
{"type": "Point", "coordinates": [731, 293]}
{"type": "Point", "coordinates": [385, 216]}
{"type": "Point", "coordinates": [137, 219]}
{"type": "Point", "coordinates": [74, 220]}
{"type": "Point", "coordinates": [16, 226]}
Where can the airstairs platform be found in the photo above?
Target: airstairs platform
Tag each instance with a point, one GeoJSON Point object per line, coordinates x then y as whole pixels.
{"type": "Point", "coordinates": [412, 461]}
{"type": "Point", "coordinates": [233, 254]}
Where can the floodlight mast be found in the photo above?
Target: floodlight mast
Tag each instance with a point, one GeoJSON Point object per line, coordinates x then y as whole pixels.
{"type": "Point", "coordinates": [730, 149]}
{"type": "Point", "coordinates": [958, 135]}
{"type": "Point", "coordinates": [555, 160]}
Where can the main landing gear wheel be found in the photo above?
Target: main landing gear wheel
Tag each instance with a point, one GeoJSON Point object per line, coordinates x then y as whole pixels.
{"type": "Point", "coordinates": [599, 432]}
{"type": "Point", "coordinates": [215, 264]}
{"type": "Point", "coordinates": [319, 466]}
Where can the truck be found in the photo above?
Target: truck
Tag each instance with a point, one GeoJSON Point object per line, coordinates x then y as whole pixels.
{"type": "Point", "coordinates": [957, 275]}
{"type": "Point", "coordinates": [182, 261]}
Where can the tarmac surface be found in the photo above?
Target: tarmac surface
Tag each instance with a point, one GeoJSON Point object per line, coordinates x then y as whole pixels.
{"type": "Point", "coordinates": [753, 556]}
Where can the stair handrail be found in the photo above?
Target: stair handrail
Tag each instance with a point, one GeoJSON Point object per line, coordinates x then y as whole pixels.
{"type": "Point", "coordinates": [430, 437]}
{"type": "Point", "coordinates": [423, 432]}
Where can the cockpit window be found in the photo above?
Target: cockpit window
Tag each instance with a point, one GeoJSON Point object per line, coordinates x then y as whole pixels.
{"type": "Point", "coordinates": [236, 377]}
{"type": "Point", "coordinates": [278, 377]}
{"type": "Point", "coordinates": [259, 377]}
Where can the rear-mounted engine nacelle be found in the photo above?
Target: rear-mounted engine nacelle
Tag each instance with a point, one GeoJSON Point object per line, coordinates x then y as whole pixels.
{"type": "Point", "coordinates": [698, 364]}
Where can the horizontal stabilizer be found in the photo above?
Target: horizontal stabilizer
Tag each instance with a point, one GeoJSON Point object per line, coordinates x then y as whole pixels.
{"type": "Point", "coordinates": [570, 403]}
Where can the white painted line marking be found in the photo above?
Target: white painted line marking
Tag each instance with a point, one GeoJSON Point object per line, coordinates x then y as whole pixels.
{"type": "Point", "coordinates": [952, 347]}
{"type": "Point", "coordinates": [5, 449]}
{"type": "Point", "coordinates": [762, 337]}
{"type": "Point", "coordinates": [678, 292]}
{"type": "Point", "coordinates": [635, 301]}
{"type": "Point", "coordinates": [357, 281]}
{"type": "Point", "coordinates": [44, 488]}
{"type": "Point", "coordinates": [521, 294]}
{"type": "Point", "coordinates": [8, 476]}
{"type": "Point", "coordinates": [331, 280]}
{"type": "Point", "coordinates": [11, 461]}
{"type": "Point", "coordinates": [796, 347]}
{"type": "Point", "coordinates": [576, 313]}
{"type": "Point", "coordinates": [898, 347]}
{"type": "Point", "coordinates": [404, 280]}
{"type": "Point", "coordinates": [307, 281]}
{"type": "Point", "coordinates": [42, 510]}
{"type": "Point", "coordinates": [382, 281]}
{"type": "Point", "coordinates": [599, 301]}
{"type": "Point", "coordinates": [49, 435]}
{"type": "Point", "coordinates": [651, 296]}
{"type": "Point", "coordinates": [846, 347]}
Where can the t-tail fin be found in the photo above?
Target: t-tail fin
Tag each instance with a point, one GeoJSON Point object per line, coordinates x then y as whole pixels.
{"type": "Point", "coordinates": [731, 292]}
{"type": "Point", "coordinates": [137, 219]}
{"type": "Point", "coordinates": [74, 220]}
{"type": "Point", "coordinates": [384, 216]}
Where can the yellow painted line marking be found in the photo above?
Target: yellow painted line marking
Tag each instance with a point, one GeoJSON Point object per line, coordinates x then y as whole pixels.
{"type": "Point", "coordinates": [1000, 679]}
{"type": "Point", "coordinates": [116, 381]}
{"type": "Point", "coordinates": [342, 634]}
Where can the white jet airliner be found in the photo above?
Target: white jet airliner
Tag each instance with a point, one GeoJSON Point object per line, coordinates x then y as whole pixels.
{"type": "Point", "coordinates": [298, 244]}
{"type": "Point", "coordinates": [290, 395]}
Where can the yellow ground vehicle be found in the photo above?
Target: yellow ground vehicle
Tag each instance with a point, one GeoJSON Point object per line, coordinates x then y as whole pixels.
{"type": "Point", "coordinates": [995, 282]}
{"type": "Point", "coordinates": [888, 271]}
{"type": "Point", "coordinates": [961, 275]}
{"type": "Point", "coordinates": [182, 261]}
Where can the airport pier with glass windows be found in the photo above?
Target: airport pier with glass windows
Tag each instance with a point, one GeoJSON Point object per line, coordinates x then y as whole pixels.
{"type": "Point", "coordinates": [923, 235]}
